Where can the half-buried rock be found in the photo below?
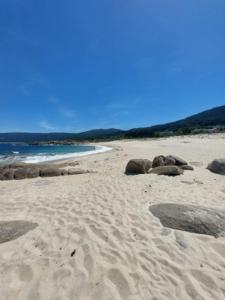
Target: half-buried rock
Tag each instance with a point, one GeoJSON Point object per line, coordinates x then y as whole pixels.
{"type": "Point", "coordinates": [167, 170]}
{"type": "Point", "coordinates": [11, 230]}
{"type": "Point", "coordinates": [191, 218]}
{"type": "Point", "coordinates": [217, 166]}
{"type": "Point", "coordinates": [138, 166]}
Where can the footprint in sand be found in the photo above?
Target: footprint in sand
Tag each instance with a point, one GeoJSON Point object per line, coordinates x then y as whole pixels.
{"type": "Point", "coordinates": [121, 284]}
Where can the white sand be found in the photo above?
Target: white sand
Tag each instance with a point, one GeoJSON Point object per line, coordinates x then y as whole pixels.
{"type": "Point", "coordinates": [122, 251]}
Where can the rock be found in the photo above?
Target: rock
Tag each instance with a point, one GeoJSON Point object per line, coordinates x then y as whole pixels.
{"type": "Point", "coordinates": [33, 172]}
{"type": "Point", "coordinates": [64, 172]}
{"type": "Point", "coordinates": [191, 218]}
{"type": "Point", "coordinates": [217, 166]}
{"type": "Point", "coordinates": [187, 167]}
{"type": "Point", "coordinates": [138, 166]}
{"type": "Point", "coordinates": [75, 171]}
{"type": "Point", "coordinates": [169, 161]}
{"type": "Point", "coordinates": [179, 161]}
{"type": "Point", "coordinates": [26, 172]}
{"type": "Point", "coordinates": [50, 172]}
{"type": "Point", "coordinates": [8, 174]}
{"type": "Point", "coordinates": [11, 230]}
{"type": "Point", "coordinates": [20, 173]}
{"type": "Point", "coordinates": [167, 170]}
{"type": "Point", "coordinates": [158, 161]}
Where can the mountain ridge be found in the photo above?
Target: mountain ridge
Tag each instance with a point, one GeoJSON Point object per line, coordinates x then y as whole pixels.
{"type": "Point", "coordinates": [208, 118]}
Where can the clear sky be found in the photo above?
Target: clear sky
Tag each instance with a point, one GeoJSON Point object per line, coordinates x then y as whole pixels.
{"type": "Point", "coordinates": [69, 65]}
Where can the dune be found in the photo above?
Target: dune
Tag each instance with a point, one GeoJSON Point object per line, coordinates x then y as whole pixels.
{"type": "Point", "coordinates": [96, 237]}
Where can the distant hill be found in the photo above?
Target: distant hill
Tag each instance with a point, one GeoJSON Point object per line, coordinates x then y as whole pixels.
{"type": "Point", "coordinates": [28, 137]}
{"type": "Point", "coordinates": [206, 119]}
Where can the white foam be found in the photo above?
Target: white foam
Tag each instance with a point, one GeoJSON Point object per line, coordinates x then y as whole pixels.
{"type": "Point", "coordinates": [46, 158]}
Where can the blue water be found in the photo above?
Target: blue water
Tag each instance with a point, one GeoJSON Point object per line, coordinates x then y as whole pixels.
{"type": "Point", "coordinates": [12, 152]}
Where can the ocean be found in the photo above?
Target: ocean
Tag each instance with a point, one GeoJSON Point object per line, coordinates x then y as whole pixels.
{"type": "Point", "coordinates": [21, 152]}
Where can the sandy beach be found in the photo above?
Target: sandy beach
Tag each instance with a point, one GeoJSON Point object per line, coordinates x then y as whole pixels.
{"type": "Point", "coordinates": [96, 238]}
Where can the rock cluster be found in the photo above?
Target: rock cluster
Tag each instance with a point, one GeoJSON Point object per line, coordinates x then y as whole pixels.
{"type": "Point", "coordinates": [161, 165]}
{"type": "Point", "coordinates": [169, 160]}
{"type": "Point", "coordinates": [21, 171]}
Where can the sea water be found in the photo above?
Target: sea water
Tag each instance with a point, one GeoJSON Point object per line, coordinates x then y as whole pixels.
{"type": "Point", "coordinates": [21, 152]}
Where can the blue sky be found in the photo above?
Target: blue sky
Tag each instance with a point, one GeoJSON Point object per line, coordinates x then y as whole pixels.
{"type": "Point", "coordinates": [76, 65]}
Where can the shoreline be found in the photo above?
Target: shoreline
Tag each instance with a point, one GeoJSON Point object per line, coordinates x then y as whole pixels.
{"type": "Point", "coordinates": [64, 157]}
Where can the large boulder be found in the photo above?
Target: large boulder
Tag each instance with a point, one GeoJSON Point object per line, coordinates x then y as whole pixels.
{"type": "Point", "coordinates": [191, 218]}
{"type": "Point", "coordinates": [138, 166]}
{"type": "Point", "coordinates": [217, 166]}
{"type": "Point", "coordinates": [167, 170]}
{"type": "Point", "coordinates": [11, 230]}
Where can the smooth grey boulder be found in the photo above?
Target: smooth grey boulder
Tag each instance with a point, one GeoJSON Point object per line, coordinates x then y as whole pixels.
{"type": "Point", "coordinates": [167, 170]}
{"type": "Point", "coordinates": [11, 230]}
{"type": "Point", "coordinates": [158, 161]}
{"type": "Point", "coordinates": [187, 167]}
{"type": "Point", "coordinates": [138, 166]}
{"type": "Point", "coordinates": [217, 166]}
{"type": "Point", "coordinates": [191, 218]}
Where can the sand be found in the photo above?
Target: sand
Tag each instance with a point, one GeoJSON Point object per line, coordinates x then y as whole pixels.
{"type": "Point", "coordinates": [96, 238]}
